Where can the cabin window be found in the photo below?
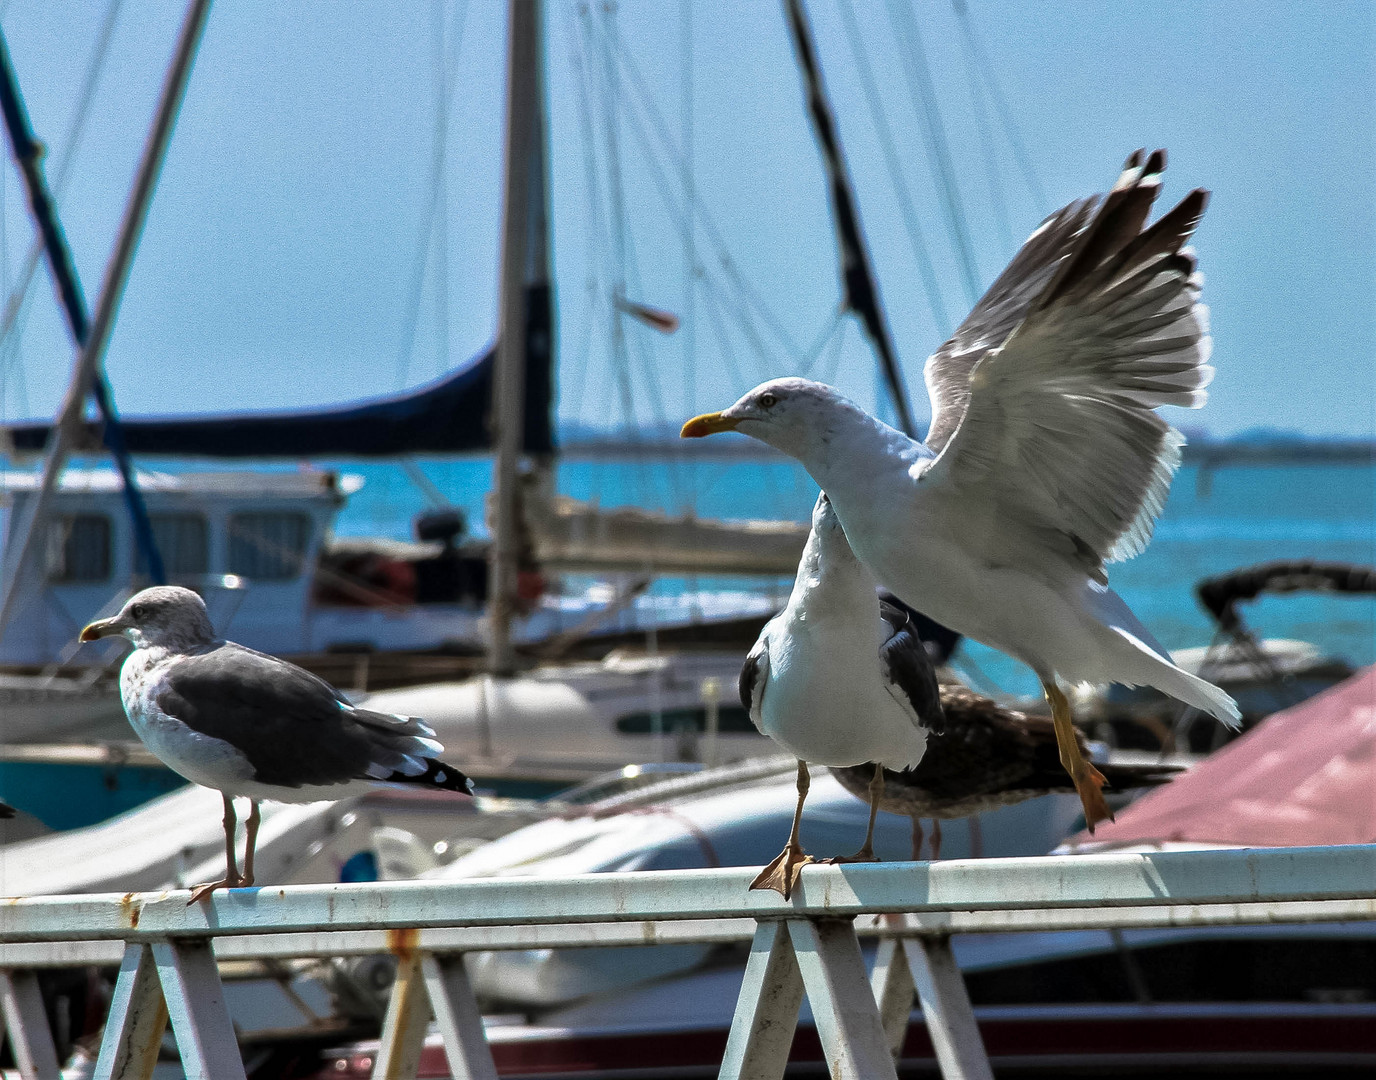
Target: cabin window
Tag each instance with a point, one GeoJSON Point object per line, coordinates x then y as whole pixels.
{"type": "Point", "coordinates": [268, 547]}
{"type": "Point", "coordinates": [731, 720]}
{"type": "Point", "coordinates": [183, 542]}
{"type": "Point", "coordinates": [79, 548]}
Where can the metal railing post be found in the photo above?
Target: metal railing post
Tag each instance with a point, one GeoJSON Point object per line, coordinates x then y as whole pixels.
{"type": "Point", "coordinates": [892, 984]}
{"type": "Point", "coordinates": [136, 1021]}
{"type": "Point", "coordinates": [843, 1008]}
{"type": "Point", "coordinates": [946, 1009]}
{"type": "Point", "coordinates": [403, 1028]}
{"type": "Point", "coordinates": [26, 1024]}
{"type": "Point", "coordinates": [458, 1017]}
{"type": "Point", "coordinates": [767, 1009]}
{"type": "Point", "coordinates": [196, 1008]}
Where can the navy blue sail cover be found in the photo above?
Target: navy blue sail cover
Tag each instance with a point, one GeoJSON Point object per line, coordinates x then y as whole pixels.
{"type": "Point", "coordinates": [449, 416]}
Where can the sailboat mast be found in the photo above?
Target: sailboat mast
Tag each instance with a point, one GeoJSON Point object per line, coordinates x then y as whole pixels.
{"type": "Point", "coordinates": [524, 298]}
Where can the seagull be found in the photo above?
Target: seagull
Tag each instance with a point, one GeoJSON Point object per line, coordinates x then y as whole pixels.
{"type": "Point", "coordinates": [837, 678]}
{"type": "Point", "coordinates": [988, 757]}
{"type": "Point", "coordinates": [244, 723]}
{"type": "Point", "coordinates": [1045, 459]}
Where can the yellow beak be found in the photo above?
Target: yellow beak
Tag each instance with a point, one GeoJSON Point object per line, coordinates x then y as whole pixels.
{"type": "Point", "coordinates": [707, 424]}
{"type": "Point", "coordinates": [97, 630]}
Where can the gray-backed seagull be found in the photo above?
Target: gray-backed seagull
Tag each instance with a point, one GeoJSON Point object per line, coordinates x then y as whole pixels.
{"type": "Point", "coordinates": [836, 678]}
{"type": "Point", "coordinates": [1045, 458]}
{"type": "Point", "coordinates": [245, 723]}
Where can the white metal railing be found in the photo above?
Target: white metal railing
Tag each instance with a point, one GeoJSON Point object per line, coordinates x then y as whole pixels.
{"type": "Point", "coordinates": [167, 951]}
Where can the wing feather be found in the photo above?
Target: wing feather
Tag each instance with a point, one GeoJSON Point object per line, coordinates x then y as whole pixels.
{"type": "Point", "coordinates": [294, 728]}
{"type": "Point", "coordinates": [754, 675]}
{"type": "Point", "coordinates": [1058, 430]}
{"type": "Point", "coordinates": [908, 668]}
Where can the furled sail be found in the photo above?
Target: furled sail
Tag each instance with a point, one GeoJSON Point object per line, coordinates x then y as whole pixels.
{"type": "Point", "coordinates": [449, 416]}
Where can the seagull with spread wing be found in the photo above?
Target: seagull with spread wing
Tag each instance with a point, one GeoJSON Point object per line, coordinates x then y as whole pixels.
{"type": "Point", "coordinates": [245, 723]}
{"type": "Point", "coordinates": [838, 678]}
{"type": "Point", "coordinates": [1045, 459]}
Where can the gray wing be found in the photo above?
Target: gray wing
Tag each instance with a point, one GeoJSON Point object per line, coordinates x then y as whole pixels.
{"type": "Point", "coordinates": [907, 667]}
{"type": "Point", "coordinates": [294, 728]}
{"type": "Point", "coordinates": [754, 675]}
{"type": "Point", "coordinates": [1058, 433]}
{"type": "Point", "coordinates": [997, 315]}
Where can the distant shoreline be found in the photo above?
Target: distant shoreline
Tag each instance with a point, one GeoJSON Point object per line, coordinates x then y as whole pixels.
{"type": "Point", "coordinates": [1205, 452]}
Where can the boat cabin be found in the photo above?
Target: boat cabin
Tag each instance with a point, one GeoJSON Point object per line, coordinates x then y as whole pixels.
{"type": "Point", "coordinates": [249, 542]}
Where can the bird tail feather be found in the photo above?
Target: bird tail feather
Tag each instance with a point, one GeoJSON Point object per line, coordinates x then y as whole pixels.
{"type": "Point", "coordinates": [1147, 663]}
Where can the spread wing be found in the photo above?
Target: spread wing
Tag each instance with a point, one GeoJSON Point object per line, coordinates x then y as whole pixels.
{"type": "Point", "coordinates": [294, 728]}
{"type": "Point", "coordinates": [1053, 425]}
{"type": "Point", "coordinates": [908, 669]}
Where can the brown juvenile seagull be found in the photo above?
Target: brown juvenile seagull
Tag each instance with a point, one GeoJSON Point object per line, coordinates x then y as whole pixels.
{"type": "Point", "coordinates": [1045, 459]}
{"type": "Point", "coordinates": [988, 757]}
{"type": "Point", "coordinates": [245, 723]}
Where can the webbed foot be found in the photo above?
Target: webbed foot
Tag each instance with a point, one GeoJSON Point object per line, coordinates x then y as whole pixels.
{"type": "Point", "coordinates": [781, 875]}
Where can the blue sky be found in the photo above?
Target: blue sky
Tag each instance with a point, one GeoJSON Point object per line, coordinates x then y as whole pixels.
{"type": "Point", "coordinates": [280, 252]}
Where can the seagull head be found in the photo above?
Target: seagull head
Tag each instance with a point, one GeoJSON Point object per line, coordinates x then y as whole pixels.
{"type": "Point", "coordinates": [793, 415]}
{"type": "Point", "coordinates": [165, 615]}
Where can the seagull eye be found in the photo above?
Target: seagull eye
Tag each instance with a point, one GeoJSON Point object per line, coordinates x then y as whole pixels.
{"type": "Point", "coordinates": [138, 611]}
{"type": "Point", "coordinates": [768, 401]}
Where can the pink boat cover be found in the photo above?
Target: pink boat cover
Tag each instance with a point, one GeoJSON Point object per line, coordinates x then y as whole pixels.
{"type": "Point", "coordinates": [1304, 776]}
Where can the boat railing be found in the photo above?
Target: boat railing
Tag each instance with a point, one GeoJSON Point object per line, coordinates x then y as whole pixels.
{"type": "Point", "coordinates": [167, 950]}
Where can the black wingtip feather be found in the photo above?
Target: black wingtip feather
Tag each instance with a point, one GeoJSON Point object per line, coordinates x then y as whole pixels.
{"type": "Point", "coordinates": [437, 774]}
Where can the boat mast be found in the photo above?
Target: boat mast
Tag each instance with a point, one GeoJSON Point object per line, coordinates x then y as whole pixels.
{"type": "Point", "coordinates": [70, 417]}
{"type": "Point", "coordinates": [523, 302]}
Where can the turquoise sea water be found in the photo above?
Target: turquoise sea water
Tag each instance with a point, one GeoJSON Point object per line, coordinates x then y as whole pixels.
{"type": "Point", "coordinates": [1216, 520]}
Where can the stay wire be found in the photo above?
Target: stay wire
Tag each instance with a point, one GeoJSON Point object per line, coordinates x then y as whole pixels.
{"type": "Point", "coordinates": [740, 314]}
{"type": "Point", "coordinates": [17, 296]}
{"type": "Point", "coordinates": [1010, 129]}
{"type": "Point", "coordinates": [905, 200]}
{"type": "Point", "coordinates": [998, 197]}
{"type": "Point", "coordinates": [922, 92]}
{"type": "Point", "coordinates": [594, 230]}
{"type": "Point", "coordinates": [646, 101]}
{"type": "Point", "coordinates": [438, 156]}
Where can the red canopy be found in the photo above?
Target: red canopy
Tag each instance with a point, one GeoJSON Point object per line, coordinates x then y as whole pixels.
{"type": "Point", "coordinates": [1304, 776]}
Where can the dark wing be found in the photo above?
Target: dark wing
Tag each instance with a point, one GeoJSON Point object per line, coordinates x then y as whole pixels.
{"type": "Point", "coordinates": [941, 641]}
{"type": "Point", "coordinates": [1058, 433]}
{"type": "Point", "coordinates": [294, 728]}
{"type": "Point", "coordinates": [7, 811]}
{"type": "Point", "coordinates": [907, 667]}
{"type": "Point", "coordinates": [754, 674]}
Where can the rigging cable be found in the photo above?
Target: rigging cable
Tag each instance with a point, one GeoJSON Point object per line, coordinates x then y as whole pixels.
{"type": "Point", "coordinates": [416, 288]}
{"type": "Point", "coordinates": [923, 95]}
{"type": "Point", "coordinates": [593, 222]}
{"type": "Point", "coordinates": [709, 226]}
{"type": "Point", "coordinates": [905, 200]}
{"type": "Point", "coordinates": [632, 345]}
{"type": "Point", "coordinates": [998, 198]}
{"type": "Point", "coordinates": [15, 299]}
{"type": "Point", "coordinates": [860, 288]}
{"type": "Point", "coordinates": [616, 220]}
{"type": "Point", "coordinates": [740, 313]}
{"type": "Point", "coordinates": [1010, 129]}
